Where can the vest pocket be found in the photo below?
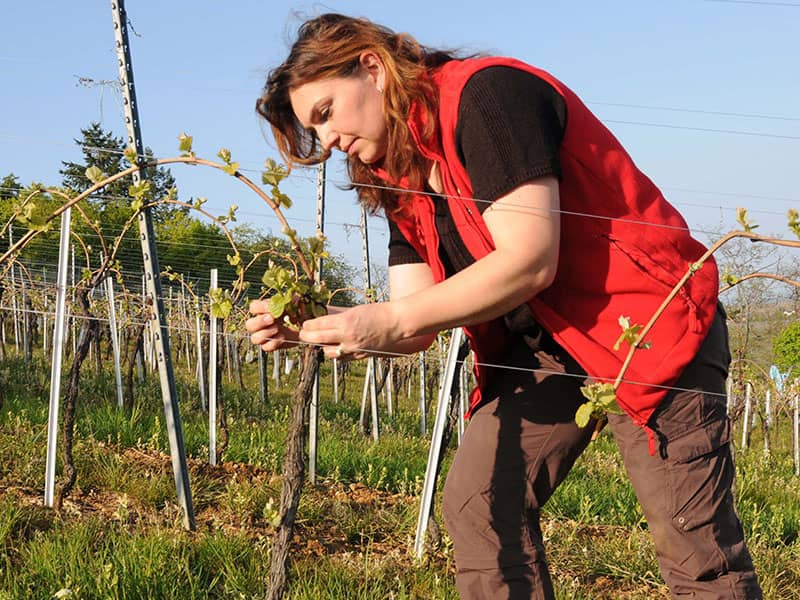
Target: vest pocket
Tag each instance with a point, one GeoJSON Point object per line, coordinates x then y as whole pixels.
{"type": "Point", "coordinates": [660, 275]}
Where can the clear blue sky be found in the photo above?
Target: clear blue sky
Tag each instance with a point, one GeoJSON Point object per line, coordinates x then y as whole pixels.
{"type": "Point", "coordinates": [674, 80]}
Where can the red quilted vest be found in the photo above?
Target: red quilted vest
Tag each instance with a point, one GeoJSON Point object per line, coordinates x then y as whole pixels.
{"type": "Point", "coordinates": [623, 248]}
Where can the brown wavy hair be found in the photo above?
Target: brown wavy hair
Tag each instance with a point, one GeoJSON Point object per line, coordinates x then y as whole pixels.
{"type": "Point", "coordinates": [330, 46]}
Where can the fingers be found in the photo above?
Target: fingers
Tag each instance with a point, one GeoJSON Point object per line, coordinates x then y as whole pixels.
{"type": "Point", "coordinates": [322, 323]}
{"type": "Point", "coordinates": [258, 307]}
{"type": "Point", "coordinates": [334, 352]}
{"type": "Point", "coordinates": [339, 353]}
{"type": "Point", "coordinates": [323, 331]}
{"type": "Point", "coordinates": [265, 330]}
{"type": "Point", "coordinates": [259, 322]}
{"type": "Point", "coordinates": [269, 338]}
{"type": "Point", "coordinates": [270, 333]}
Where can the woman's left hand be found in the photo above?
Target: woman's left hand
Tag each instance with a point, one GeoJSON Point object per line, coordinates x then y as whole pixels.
{"type": "Point", "coordinates": [355, 332]}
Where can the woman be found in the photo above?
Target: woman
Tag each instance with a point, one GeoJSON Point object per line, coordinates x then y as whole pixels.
{"type": "Point", "coordinates": [515, 213]}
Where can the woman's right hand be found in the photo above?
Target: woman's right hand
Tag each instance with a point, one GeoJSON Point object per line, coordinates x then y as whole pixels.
{"type": "Point", "coordinates": [266, 331]}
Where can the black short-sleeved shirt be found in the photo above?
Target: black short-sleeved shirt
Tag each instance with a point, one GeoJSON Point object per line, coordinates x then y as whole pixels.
{"type": "Point", "coordinates": [509, 131]}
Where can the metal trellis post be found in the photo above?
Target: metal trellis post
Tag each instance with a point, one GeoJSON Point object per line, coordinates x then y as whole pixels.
{"type": "Point", "coordinates": [152, 272]}
{"type": "Point", "coordinates": [58, 351]}
{"type": "Point", "coordinates": [212, 377]}
{"type": "Point", "coordinates": [313, 409]}
{"type": "Point", "coordinates": [423, 425]}
{"type": "Point", "coordinates": [442, 414]}
{"type": "Point", "coordinates": [746, 420]}
{"type": "Point", "coordinates": [112, 322]}
{"type": "Point", "coordinates": [372, 362]}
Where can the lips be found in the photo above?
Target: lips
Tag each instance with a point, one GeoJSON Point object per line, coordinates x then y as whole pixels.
{"type": "Point", "coordinates": [349, 149]}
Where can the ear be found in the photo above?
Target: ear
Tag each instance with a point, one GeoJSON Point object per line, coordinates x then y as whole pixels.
{"type": "Point", "coordinates": [374, 68]}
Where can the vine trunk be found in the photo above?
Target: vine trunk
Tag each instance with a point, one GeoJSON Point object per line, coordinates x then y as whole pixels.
{"type": "Point", "coordinates": [294, 471]}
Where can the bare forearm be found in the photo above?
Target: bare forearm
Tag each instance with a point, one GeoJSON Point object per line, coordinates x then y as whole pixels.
{"type": "Point", "coordinates": [488, 289]}
{"type": "Point", "coordinates": [407, 346]}
{"type": "Point", "coordinates": [410, 345]}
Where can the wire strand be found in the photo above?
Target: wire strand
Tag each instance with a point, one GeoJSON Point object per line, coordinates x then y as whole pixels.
{"type": "Point", "coordinates": [500, 366]}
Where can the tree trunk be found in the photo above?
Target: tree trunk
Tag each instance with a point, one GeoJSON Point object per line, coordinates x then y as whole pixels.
{"type": "Point", "coordinates": [344, 369]}
{"type": "Point", "coordinates": [237, 361]}
{"type": "Point", "coordinates": [134, 342]}
{"type": "Point", "coordinates": [98, 350]}
{"type": "Point", "coordinates": [294, 465]}
{"type": "Point", "coordinates": [384, 363]}
{"type": "Point", "coordinates": [87, 332]}
{"type": "Point", "coordinates": [31, 324]}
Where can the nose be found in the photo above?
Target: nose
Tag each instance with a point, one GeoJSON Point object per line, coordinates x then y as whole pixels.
{"type": "Point", "coordinates": [327, 136]}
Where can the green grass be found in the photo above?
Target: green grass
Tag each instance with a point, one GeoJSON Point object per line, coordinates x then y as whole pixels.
{"type": "Point", "coordinates": [119, 535]}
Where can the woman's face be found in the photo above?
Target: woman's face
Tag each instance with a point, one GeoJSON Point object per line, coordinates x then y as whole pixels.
{"type": "Point", "coordinates": [345, 112]}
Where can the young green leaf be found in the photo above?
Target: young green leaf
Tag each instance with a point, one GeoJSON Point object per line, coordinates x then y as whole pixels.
{"type": "Point", "coordinates": [729, 278]}
{"type": "Point", "coordinates": [601, 394]}
{"type": "Point", "coordinates": [584, 414]}
{"type": "Point", "coordinates": [268, 178]}
{"type": "Point", "coordinates": [185, 145]}
{"type": "Point", "coordinates": [221, 305]}
{"type": "Point", "coordinates": [130, 155]}
{"type": "Point", "coordinates": [629, 332]}
{"type": "Point", "coordinates": [34, 216]}
{"type": "Point", "coordinates": [139, 190]}
{"type": "Point", "coordinates": [744, 221]}
{"type": "Point", "coordinates": [94, 174]}
{"type": "Point", "coordinates": [280, 198]}
{"type": "Point", "coordinates": [274, 173]}
{"type": "Point", "coordinates": [277, 304]}
{"type": "Point", "coordinates": [225, 155]}
{"type": "Point", "coordinates": [607, 398]}
{"type": "Point", "coordinates": [794, 221]}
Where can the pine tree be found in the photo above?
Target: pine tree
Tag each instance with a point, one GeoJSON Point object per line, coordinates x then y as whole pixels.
{"type": "Point", "coordinates": [102, 149]}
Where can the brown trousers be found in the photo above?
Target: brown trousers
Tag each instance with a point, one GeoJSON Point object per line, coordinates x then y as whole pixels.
{"type": "Point", "coordinates": [520, 446]}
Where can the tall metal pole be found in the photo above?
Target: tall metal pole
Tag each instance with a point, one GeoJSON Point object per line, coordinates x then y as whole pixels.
{"type": "Point", "coordinates": [74, 323]}
{"type": "Point", "coordinates": [112, 323]}
{"type": "Point", "coordinates": [372, 361]}
{"type": "Point", "coordinates": [44, 315]}
{"type": "Point", "coordinates": [746, 420]}
{"type": "Point", "coordinates": [151, 268]}
{"type": "Point", "coordinates": [58, 350]}
{"type": "Point", "coordinates": [212, 376]}
{"type": "Point", "coordinates": [422, 400]}
{"type": "Point", "coordinates": [313, 409]}
{"type": "Point", "coordinates": [442, 413]}
{"type": "Point", "coordinates": [26, 317]}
